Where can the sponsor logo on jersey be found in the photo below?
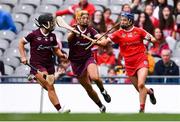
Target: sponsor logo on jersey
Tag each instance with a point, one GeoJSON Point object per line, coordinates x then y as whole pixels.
{"type": "Point", "coordinates": [130, 35]}
{"type": "Point", "coordinates": [42, 47]}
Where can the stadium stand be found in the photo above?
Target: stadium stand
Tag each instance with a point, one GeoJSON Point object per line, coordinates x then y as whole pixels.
{"type": "Point", "coordinates": [19, 27]}
{"type": "Point", "coordinates": [33, 16]}
{"type": "Point", "coordinates": [1, 53]}
{"type": "Point", "coordinates": [103, 3]}
{"type": "Point", "coordinates": [57, 3]}
{"type": "Point", "coordinates": [176, 60]}
{"type": "Point", "coordinates": [20, 18]}
{"type": "Point", "coordinates": [12, 3]}
{"type": "Point", "coordinates": [25, 11]}
{"type": "Point", "coordinates": [34, 3]}
{"type": "Point", "coordinates": [12, 52]}
{"type": "Point", "coordinates": [19, 69]}
{"type": "Point", "coordinates": [99, 7]}
{"type": "Point", "coordinates": [8, 69]}
{"type": "Point", "coordinates": [30, 26]}
{"type": "Point", "coordinates": [46, 9]}
{"type": "Point", "coordinates": [103, 70]}
{"type": "Point", "coordinates": [5, 7]}
{"type": "Point", "coordinates": [120, 2]}
{"type": "Point", "coordinates": [8, 35]}
{"type": "Point", "coordinates": [4, 44]}
{"type": "Point", "coordinates": [115, 9]}
{"type": "Point", "coordinates": [11, 61]}
{"type": "Point", "coordinates": [114, 17]}
{"type": "Point", "coordinates": [70, 2]}
{"type": "Point", "coordinates": [23, 33]}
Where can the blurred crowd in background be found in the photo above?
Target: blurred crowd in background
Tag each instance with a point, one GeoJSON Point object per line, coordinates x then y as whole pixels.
{"type": "Point", "coordinates": [161, 18]}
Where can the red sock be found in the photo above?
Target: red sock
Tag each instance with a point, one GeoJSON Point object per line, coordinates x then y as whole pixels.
{"type": "Point", "coordinates": [58, 107]}
{"type": "Point", "coordinates": [142, 106]}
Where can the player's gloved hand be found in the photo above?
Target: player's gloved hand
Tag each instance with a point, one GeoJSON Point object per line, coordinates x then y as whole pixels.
{"type": "Point", "coordinates": [24, 60]}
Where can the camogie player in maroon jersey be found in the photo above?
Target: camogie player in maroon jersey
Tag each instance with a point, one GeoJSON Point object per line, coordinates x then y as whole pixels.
{"type": "Point", "coordinates": [82, 60]}
{"type": "Point", "coordinates": [43, 44]}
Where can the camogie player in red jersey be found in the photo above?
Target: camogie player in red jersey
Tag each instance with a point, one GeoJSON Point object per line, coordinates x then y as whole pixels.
{"type": "Point", "coordinates": [130, 40]}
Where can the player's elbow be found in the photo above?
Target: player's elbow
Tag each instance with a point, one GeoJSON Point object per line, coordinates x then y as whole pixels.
{"type": "Point", "coordinates": [21, 43]}
{"type": "Point", "coordinates": [70, 36]}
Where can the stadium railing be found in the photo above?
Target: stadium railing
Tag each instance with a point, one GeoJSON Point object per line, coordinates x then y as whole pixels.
{"type": "Point", "coordinates": [65, 79]}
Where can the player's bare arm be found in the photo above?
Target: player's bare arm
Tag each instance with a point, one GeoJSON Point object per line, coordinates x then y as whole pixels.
{"type": "Point", "coordinates": [153, 39]}
{"type": "Point", "coordinates": [150, 38]}
{"type": "Point", "coordinates": [59, 53]}
{"type": "Point", "coordinates": [70, 36]}
{"type": "Point", "coordinates": [22, 50]}
{"type": "Point", "coordinates": [103, 42]}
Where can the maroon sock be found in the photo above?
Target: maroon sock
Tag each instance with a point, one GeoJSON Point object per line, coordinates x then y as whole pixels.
{"type": "Point", "coordinates": [142, 106]}
{"type": "Point", "coordinates": [99, 104]}
{"type": "Point", "coordinates": [58, 107]}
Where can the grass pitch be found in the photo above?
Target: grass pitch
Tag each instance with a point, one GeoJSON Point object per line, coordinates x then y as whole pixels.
{"type": "Point", "coordinates": [89, 117]}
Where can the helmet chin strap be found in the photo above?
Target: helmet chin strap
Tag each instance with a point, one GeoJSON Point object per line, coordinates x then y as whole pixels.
{"type": "Point", "coordinates": [130, 23]}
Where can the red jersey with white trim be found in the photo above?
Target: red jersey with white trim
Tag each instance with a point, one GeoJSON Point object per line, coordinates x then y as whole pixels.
{"type": "Point", "coordinates": [130, 42]}
{"type": "Point", "coordinates": [72, 9]}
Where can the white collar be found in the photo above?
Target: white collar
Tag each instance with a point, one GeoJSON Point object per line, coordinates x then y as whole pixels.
{"type": "Point", "coordinates": [80, 29]}
{"type": "Point", "coordinates": [43, 32]}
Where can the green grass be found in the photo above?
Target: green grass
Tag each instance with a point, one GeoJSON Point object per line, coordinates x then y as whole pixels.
{"type": "Point", "coordinates": [89, 117]}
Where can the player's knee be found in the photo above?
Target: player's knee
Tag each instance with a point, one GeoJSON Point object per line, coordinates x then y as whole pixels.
{"type": "Point", "coordinates": [141, 85]}
{"type": "Point", "coordinates": [50, 87]}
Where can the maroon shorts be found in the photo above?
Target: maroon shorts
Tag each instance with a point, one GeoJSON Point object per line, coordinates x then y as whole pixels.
{"type": "Point", "coordinates": [135, 62]}
{"type": "Point", "coordinates": [80, 68]}
{"type": "Point", "coordinates": [48, 68]}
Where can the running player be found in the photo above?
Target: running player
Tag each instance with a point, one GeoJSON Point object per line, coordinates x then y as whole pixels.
{"type": "Point", "coordinates": [130, 40]}
{"type": "Point", "coordinates": [83, 62]}
{"type": "Point", "coordinates": [43, 44]}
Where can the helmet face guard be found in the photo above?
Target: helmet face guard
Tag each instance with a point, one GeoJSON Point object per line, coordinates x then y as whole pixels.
{"type": "Point", "coordinates": [46, 21]}
{"type": "Point", "coordinates": [130, 18]}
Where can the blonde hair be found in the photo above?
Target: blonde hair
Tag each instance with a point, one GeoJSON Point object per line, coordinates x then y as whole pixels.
{"type": "Point", "coordinates": [80, 13]}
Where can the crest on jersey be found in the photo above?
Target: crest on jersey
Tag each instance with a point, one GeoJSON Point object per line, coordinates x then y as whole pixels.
{"type": "Point", "coordinates": [145, 63]}
{"type": "Point", "coordinates": [39, 38]}
{"type": "Point", "coordinates": [51, 39]}
{"type": "Point", "coordinates": [135, 33]}
{"type": "Point", "coordinates": [123, 35]}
